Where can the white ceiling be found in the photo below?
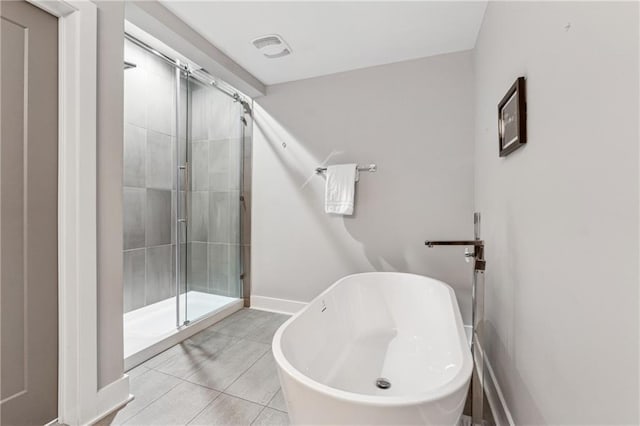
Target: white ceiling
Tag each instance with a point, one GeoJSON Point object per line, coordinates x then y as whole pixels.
{"type": "Point", "coordinates": [331, 37]}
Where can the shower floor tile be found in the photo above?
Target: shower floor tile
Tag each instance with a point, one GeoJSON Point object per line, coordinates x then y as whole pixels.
{"type": "Point", "coordinates": [196, 392]}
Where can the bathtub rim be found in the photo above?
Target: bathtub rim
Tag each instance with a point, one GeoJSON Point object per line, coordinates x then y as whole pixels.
{"type": "Point", "coordinates": [458, 382]}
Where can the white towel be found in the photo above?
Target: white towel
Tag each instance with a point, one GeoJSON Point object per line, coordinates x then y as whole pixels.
{"type": "Point", "coordinates": [340, 189]}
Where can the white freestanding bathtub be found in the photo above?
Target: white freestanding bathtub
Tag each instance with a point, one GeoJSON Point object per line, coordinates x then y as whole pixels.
{"type": "Point", "coordinates": [402, 328]}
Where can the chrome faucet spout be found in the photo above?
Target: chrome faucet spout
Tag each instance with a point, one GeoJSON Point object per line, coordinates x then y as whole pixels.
{"type": "Point", "coordinates": [474, 243]}
{"type": "Point", "coordinates": [478, 250]}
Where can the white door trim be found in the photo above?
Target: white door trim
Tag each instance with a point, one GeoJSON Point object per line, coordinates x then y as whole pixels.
{"type": "Point", "coordinates": [79, 399]}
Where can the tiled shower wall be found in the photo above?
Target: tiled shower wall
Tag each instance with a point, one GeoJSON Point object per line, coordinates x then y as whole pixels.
{"type": "Point", "coordinates": [213, 258]}
{"type": "Point", "coordinates": [149, 188]}
{"type": "Point", "coordinates": [214, 243]}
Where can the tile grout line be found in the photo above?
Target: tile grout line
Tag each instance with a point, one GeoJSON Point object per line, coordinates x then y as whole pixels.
{"type": "Point", "coordinates": [271, 400]}
{"type": "Point", "coordinates": [152, 401]}
{"type": "Point", "coordinates": [264, 407]}
{"type": "Point", "coordinates": [203, 408]}
{"type": "Point", "coordinates": [244, 399]}
{"type": "Point", "coordinates": [156, 368]}
{"type": "Point", "coordinates": [248, 368]}
{"type": "Point", "coordinates": [227, 387]}
{"type": "Point", "coordinates": [181, 381]}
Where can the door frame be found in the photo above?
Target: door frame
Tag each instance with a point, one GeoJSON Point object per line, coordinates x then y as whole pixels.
{"type": "Point", "coordinates": [80, 401]}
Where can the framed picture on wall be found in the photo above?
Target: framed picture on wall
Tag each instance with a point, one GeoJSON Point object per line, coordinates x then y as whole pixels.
{"type": "Point", "coordinates": [512, 119]}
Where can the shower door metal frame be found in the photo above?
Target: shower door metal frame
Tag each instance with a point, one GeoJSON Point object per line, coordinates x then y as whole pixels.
{"type": "Point", "coordinates": [242, 206]}
{"type": "Point", "coordinates": [245, 108]}
{"type": "Point", "coordinates": [180, 169]}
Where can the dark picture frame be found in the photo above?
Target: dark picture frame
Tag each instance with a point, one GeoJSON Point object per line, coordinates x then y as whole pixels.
{"type": "Point", "coordinates": [512, 119]}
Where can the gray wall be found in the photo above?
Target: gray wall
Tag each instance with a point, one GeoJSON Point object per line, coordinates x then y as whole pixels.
{"type": "Point", "coordinates": [414, 120]}
{"type": "Point", "coordinates": [109, 191]}
{"type": "Point", "coordinates": [560, 216]}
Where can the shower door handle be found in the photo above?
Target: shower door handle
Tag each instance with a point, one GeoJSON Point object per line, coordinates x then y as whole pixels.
{"type": "Point", "coordinates": [185, 169]}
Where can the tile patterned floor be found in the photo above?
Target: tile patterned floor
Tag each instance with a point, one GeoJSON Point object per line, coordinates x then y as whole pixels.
{"type": "Point", "coordinates": [224, 375]}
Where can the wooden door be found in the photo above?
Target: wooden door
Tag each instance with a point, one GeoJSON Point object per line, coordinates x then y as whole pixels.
{"type": "Point", "coordinates": [28, 214]}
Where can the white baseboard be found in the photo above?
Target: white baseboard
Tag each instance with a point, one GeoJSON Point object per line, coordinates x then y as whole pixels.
{"type": "Point", "coordinates": [112, 397]}
{"type": "Point", "coordinates": [280, 306]}
{"type": "Point", "coordinates": [499, 408]}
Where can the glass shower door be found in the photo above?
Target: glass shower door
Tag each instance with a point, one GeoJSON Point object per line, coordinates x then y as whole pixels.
{"type": "Point", "coordinates": [214, 157]}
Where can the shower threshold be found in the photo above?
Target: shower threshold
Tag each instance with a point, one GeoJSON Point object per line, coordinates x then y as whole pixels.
{"type": "Point", "coordinates": [152, 329]}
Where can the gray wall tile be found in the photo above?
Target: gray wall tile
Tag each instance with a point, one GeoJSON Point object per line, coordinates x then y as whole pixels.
{"type": "Point", "coordinates": [218, 264]}
{"type": "Point", "coordinates": [224, 209]}
{"type": "Point", "coordinates": [183, 112]}
{"type": "Point", "coordinates": [135, 143]}
{"type": "Point", "coordinates": [198, 112]}
{"type": "Point", "coordinates": [223, 116]}
{"type": "Point", "coordinates": [160, 95]}
{"type": "Point", "coordinates": [199, 169]}
{"type": "Point", "coordinates": [199, 216]}
{"type": "Point", "coordinates": [224, 164]}
{"type": "Point", "coordinates": [219, 217]}
{"type": "Point", "coordinates": [235, 162]}
{"type": "Point", "coordinates": [197, 271]}
{"type": "Point", "coordinates": [224, 269]}
{"type": "Point", "coordinates": [219, 165]}
{"type": "Point", "coordinates": [135, 97]}
{"type": "Point", "coordinates": [134, 279]}
{"type": "Point", "coordinates": [160, 284]}
{"type": "Point", "coordinates": [134, 217]}
{"type": "Point", "coordinates": [160, 170]}
{"type": "Point", "coordinates": [160, 68]}
{"type": "Point", "coordinates": [158, 217]}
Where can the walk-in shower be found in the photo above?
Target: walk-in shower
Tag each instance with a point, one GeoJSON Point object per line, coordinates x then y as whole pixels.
{"type": "Point", "coordinates": [185, 245]}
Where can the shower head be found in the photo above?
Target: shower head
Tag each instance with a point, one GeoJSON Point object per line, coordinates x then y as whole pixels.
{"type": "Point", "coordinates": [128, 65]}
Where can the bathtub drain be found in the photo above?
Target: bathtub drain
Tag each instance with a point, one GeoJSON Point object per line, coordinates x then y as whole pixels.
{"type": "Point", "coordinates": [383, 383]}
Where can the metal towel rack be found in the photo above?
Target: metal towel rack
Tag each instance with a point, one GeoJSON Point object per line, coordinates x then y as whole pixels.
{"type": "Point", "coordinates": [370, 168]}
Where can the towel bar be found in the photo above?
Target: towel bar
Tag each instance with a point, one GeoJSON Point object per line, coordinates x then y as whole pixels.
{"type": "Point", "coordinates": [370, 168]}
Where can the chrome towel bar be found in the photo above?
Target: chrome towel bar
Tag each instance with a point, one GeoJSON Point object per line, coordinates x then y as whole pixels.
{"type": "Point", "coordinates": [370, 168]}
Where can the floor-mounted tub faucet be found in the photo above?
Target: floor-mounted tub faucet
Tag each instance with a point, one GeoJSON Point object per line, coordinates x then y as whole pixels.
{"type": "Point", "coordinates": [477, 253]}
{"type": "Point", "coordinates": [477, 314]}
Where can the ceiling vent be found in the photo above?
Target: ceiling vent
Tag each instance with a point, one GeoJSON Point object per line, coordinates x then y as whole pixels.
{"type": "Point", "coordinates": [272, 46]}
